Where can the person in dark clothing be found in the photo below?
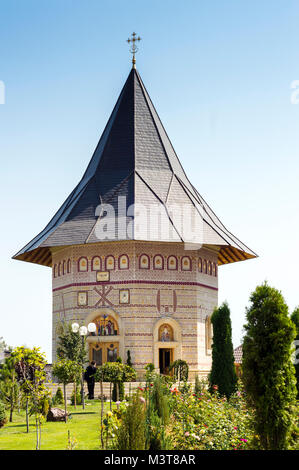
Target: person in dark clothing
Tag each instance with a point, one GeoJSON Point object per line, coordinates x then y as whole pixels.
{"type": "Point", "coordinates": [89, 377]}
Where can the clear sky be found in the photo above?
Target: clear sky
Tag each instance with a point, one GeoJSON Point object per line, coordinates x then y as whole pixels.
{"type": "Point", "coordinates": [219, 74]}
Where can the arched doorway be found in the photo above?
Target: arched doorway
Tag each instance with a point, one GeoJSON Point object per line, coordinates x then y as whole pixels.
{"type": "Point", "coordinates": [167, 344]}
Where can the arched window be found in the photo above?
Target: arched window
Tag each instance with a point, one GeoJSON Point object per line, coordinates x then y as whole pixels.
{"type": "Point", "coordinates": [68, 266]}
{"type": "Point", "coordinates": [172, 263]}
{"type": "Point", "coordinates": [210, 268]}
{"type": "Point", "coordinates": [106, 326]}
{"type": "Point", "coordinates": [83, 264]}
{"type": "Point", "coordinates": [200, 265]}
{"type": "Point", "coordinates": [214, 269]}
{"type": "Point", "coordinates": [186, 263]}
{"type": "Point", "coordinates": [64, 267]}
{"type": "Point", "coordinates": [144, 262]}
{"type": "Point", "coordinates": [165, 332]}
{"type": "Point", "coordinates": [110, 263]}
{"type": "Point", "coordinates": [55, 270]}
{"type": "Point", "coordinates": [123, 262]}
{"type": "Point", "coordinates": [96, 263]}
{"type": "Point", "coordinates": [204, 266]}
{"type": "Point", "coordinates": [158, 262]}
{"type": "Point", "coordinates": [208, 334]}
{"type": "Point", "coordinates": [59, 269]}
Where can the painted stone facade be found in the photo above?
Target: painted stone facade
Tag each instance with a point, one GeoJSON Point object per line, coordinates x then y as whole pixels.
{"type": "Point", "coordinates": [158, 300]}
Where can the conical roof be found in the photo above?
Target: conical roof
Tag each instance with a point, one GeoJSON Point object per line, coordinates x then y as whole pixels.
{"type": "Point", "coordinates": [135, 163]}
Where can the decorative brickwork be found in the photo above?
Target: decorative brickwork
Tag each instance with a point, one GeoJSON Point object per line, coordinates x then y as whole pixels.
{"type": "Point", "coordinates": [175, 300]}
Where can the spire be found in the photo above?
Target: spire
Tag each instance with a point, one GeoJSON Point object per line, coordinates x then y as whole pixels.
{"type": "Point", "coordinates": [133, 49]}
{"type": "Point", "coordinates": [134, 160]}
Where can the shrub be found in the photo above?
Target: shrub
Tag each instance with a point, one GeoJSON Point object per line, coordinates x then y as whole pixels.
{"type": "Point", "coordinates": [58, 397]}
{"type": "Point", "coordinates": [78, 398]}
{"type": "Point", "coordinates": [131, 433]}
{"type": "Point", "coordinates": [3, 418]}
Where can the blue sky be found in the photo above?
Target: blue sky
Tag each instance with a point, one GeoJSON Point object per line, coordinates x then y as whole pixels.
{"type": "Point", "coordinates": [219, 74]}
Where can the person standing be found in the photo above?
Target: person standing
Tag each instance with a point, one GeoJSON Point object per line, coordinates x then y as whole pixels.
{"type": "Point", "coordinates": [90, 379]}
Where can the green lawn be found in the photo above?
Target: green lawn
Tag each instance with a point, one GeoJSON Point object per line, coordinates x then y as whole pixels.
{"type": "Point", "coordinates": [84, 426]}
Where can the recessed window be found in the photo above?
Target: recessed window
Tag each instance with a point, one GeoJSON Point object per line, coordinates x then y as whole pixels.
{"type": "Point", "coordinates": [144, 262]}
{"type": "Point", "coordinates": [83, 264]}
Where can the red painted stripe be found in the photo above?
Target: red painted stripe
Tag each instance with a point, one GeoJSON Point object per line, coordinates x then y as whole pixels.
{"type": "Point", "coordinates": [177, 283]}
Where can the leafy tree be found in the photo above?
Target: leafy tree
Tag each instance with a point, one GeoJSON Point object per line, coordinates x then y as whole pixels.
{"type": "Point", "coordinates": [70, 345]}
{"type": "Point", "coordinates": [66, 371]}
{"type": "Point", "coordinates": [268, 372]}
{"type": "Point", "coordinates": [295, 320]}
{"type": "Point", "coordinates": [3, 418]}
{"type": "Point", "coordinates": [180, 370]}
{"type": "Point", "coordinates": [31, 375]}
{"type": "Point", "coordinates": [223, 373]}
{"type": "Point", "coordinates": [112, 372]}
{"type": "Point", "coordinates": [9, 386]}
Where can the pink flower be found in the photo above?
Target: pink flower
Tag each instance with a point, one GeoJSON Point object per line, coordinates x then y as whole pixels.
{"type": "Point", "coordinates": [142, 399]}
{"type": "Point", "coordinates": [187, 434]}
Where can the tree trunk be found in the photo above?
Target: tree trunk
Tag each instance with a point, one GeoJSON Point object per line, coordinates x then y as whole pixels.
{"type": "Point", "coordinates": [64, 393]}
{"type": "Point", "coordinates": [75, 395]}
{"type": "Point", "coordinates": [110, 396]}
{"type": "Point", "coordinates": [102, 412]}
{"type": "Point", "coordinates": [11, 404]}
{"type": "Point", "coordinates": [27, 414]}
{"type": "Point", "coordinates": [11, 412]}
{"type": "Point", "coordinates": [37, 435]}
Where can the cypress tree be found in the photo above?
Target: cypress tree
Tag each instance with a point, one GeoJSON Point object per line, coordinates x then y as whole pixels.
{"type": "Point", "coordinates": [223, 373]}
{"type": "Point", "coordinates": [295, 320]}
{"type": "Point", "coordinates": [268, 372]}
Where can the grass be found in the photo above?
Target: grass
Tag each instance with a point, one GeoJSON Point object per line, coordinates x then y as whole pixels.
{"type": "Point", "coordinates": [84, 426]}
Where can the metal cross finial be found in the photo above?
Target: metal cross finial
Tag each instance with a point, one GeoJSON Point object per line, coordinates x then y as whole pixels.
{"type": "Point", "coordinates": [134, 48]}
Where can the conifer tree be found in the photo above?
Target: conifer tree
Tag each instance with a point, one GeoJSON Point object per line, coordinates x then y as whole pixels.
{"type": "Point", "coordinates": [295, 320]}
{"type": "Point", "coordinates": [223, 373]}
{"type": "Point", "coordinates": [268, 372]}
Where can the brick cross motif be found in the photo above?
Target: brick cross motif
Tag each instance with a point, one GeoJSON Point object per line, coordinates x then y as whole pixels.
{"type": "Point", "coordinates": [103, 296]}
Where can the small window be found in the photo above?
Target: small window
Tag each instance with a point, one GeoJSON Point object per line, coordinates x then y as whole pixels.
{"type": "Point", "coordinates": [208, 334]}
{"type": "Point", "coordinates": [214, 269]}
{"type": "Point", "coordinates": [158, 262]}
{"type": "Point", "coordinates": [110, 263]}
{"type": "Point", "coordinates": [186, 263]}
{"type": "Point", "coordinates": [96, 263]}
{"type": "Point", "coordinates": [172, 263]}
{"type": "Point", "coordinates": [210, 268]}
{"type": "Point", "coordinates": [68, 266]}
{"type": "Point", "coordinates": [59, 269]}
{"type": "Point", "coordinates": [200, 265]}
{"type": "Point", "coordinates": [144, 262]}
{"type": "Point", "coordinates": [123, 262]}
{"type": "Point", "coordinates": [83, 264]}
{"type": "Point", "coordinates": [55, 270]}
{"type": "Point", "coordinates": [204, 266]}
{"type": "Point", "coordinates": [64, 267]}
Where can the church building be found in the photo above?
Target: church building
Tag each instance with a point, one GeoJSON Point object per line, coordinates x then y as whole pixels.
{"type": "Point", "coordinates": [120, 253]}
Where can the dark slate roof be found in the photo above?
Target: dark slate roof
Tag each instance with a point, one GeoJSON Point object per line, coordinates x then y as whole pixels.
{"type": "Point", "coordinates": [134, 158]}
